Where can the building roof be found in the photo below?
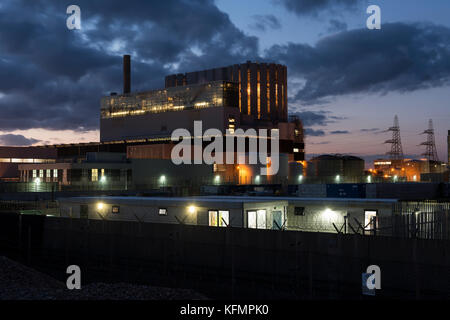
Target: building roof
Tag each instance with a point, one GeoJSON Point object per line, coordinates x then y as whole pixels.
{"type": "Point", "coordinates": [229, 199]}
{"type": "Point", "coordinates": [336, 157]}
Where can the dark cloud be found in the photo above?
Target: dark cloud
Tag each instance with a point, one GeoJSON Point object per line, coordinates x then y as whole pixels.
{"type": "Point", "coordinates": [311, 118]}
{"type": "Point", "coordinates": [340, 132]}
{"type": "Point", "coordinates": [314, 133]}
{"type": "Point", "coordinates": [313, 7]}
{"type": "Point", "coordinates": [264, 22]}
{"type": "Point", "coordinates": [316, 118]}
{"type": "Point", "coordinates": [54, 78]}
{"type": "Point", "coordinates": [399, 58]}
{"type": "Point", "coordinates": [16, 140]}
{"type": "Point", "coordinates": [370, 130]}
{"type": "Point", "coordinates": [337, 26]}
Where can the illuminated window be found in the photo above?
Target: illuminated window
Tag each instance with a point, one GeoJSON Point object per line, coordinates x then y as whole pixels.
{"type": "Point", "coordinates": [248, 92]}
{"type": "Point", "coordinates": [34, 173]}
{"type": "Point", "coordinates": [259, 94]}
{"type": "Point", "coordinates": [94, 175]}
{"type": "Point", "coordinates": [41, 173]}
{"type": "Point", "coordinates": [212, 218]}
{"type": "Point", "coordinates": [251, 219]}
{"type": "Point", "coordinates": [219, 218]}
{"type": "Point", "coordinates": [224, 218]}
{"type": "Point", "coordinates": [240, 108]}
{"type": "Point", "coordinates": [5, 160]}
{"type": "Point", "coordinates": [256, 219]}
{"type": "Point", "coordinates": [268, 92]}
{"type": "Point", "coordinates": [369, 215]}
{"type": "Point", "coordinates": [115, 209]}
{"type": "Point", "coordinates": [102, 172]}
{"type": "Point", "coordinates": [55, 173]}
{"type": "Point", "coordinates": [261, 219]}
{"type": "Point", "coordinates": [231, 124]}
{"type": "Point", "coordinates": [17, 160]}
{"type": "Point", "coordinates": [162, 212]}
{"type": "Point", "coordinates": [296, 150]}
{"type": "Point", "coordinates": [276, 96]}
{"type": "Point", "coordinates": [276, 89]}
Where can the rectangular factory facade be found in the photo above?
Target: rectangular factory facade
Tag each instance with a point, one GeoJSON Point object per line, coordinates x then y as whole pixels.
{"type": "Point", "coordinates": [158, 113]}
{"type": "Point", "coordinates": [262, 87]}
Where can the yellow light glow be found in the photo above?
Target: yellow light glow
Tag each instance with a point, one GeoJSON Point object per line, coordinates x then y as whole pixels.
{"type": "Point", "coordinates": [191, 209]}
{"type": "Point", "coordinates": [100, 205]}
{"type": "Point", "coordinates": [329, 214]}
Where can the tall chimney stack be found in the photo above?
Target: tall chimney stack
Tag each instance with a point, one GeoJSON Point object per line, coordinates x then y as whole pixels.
{"type": "Point", "coordinates": [126, 74]}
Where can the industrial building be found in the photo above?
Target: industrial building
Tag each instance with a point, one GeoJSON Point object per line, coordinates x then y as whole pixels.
{"type": "Point", "coordinates": [448, 148]}
{"type": "Point", "coordinates": [335, 168]}
{"type": "Point", "coordinates": [422, 170]}
{"type": "Point", "coordinates": [157, 113]}
{"type": "Point", "coordinates": [213, 97]}
{"type": "Point", "coordinates": [12, 157]}
{"type": "Point", "coordinates": [140, 125]}
{"type": "Point", "coordinates": [105, 169]}
{"type": "Point", "coordinates": [262, 88]}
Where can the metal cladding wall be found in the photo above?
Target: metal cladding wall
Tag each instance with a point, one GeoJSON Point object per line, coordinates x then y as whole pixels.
{"type": "Point", "coordinates": [448, 148]}
{"type": "Point", "coordinates": [356, 190]}
{"type": "Point", "coordinates": [162, 124]}
{"type": "Point", "coordinates": [12, 156]}
{"type": "Point", "coordinates": [28, 152]}
{"type": "Point", "coordinates": [265, 82]}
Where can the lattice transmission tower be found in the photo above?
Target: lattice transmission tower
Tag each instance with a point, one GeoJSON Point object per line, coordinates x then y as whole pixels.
{"type": "Point", "coordinates": [431, 152]}
{"type": "Point", "coordinates": [396, 152]}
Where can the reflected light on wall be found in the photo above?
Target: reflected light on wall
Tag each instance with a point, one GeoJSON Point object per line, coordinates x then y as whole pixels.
{"type": "Point", "coordinates": [329, 215]}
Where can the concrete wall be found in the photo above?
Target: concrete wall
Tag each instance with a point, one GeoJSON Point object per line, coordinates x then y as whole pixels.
{"type": "Point", "coordinates": [231, 262]}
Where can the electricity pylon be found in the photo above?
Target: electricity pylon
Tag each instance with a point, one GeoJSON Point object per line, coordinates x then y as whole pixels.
{"type": "Point", "coordinates": [396, 152]}
{"type": "Point", "coordinates": [431, 152]}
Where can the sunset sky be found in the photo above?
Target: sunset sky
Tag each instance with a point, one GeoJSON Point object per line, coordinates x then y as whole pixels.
{"type": "Point", "coordinates": [346, 82]}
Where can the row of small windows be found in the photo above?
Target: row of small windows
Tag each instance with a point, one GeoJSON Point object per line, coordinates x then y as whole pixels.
{"type": "Point", "coordinates": [48, 173]}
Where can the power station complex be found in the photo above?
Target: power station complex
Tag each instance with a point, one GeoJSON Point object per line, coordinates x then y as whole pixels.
{"type": "Point", "coordinates": [135, 131]}
{"type": "Point", "coordinates": [135, 147]}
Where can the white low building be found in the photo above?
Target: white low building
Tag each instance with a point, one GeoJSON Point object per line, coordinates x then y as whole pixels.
{"type": "Point", "coordinates": [286, 213]}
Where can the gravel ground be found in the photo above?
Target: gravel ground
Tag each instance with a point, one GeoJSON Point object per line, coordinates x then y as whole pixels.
{"type": "Point", "coordinates": [18, 282]}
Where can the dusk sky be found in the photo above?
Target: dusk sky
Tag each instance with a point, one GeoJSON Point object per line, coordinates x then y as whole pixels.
{"type": "Point", "coordinates": [345, 82]}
